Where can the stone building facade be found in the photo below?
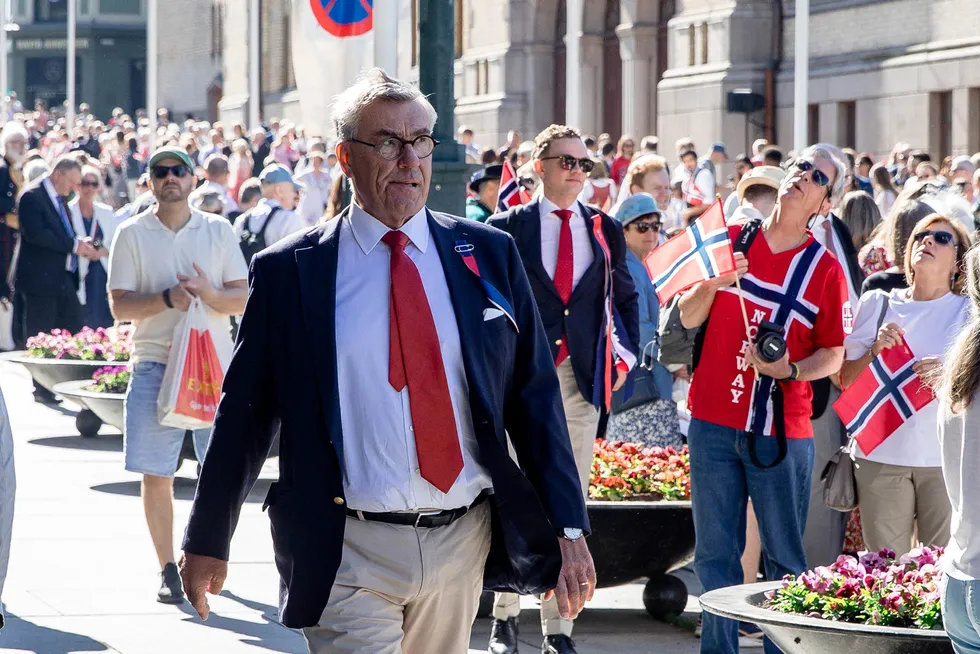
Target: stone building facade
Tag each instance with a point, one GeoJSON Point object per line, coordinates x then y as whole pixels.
{"type": "Point", "coordinates": [880, 70]}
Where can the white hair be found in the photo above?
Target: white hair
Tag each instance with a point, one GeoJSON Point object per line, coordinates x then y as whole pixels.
{"type": "Point", "coordinates": [34, 169]}
{"type": "Point", "coordinates": [10, 130]}
{"type": "Point", "coordinates": [832, 154]}
{"type": "Point", "coordinates": [950, 204]}
{"type": "Point", "coordinates": [372, 86]}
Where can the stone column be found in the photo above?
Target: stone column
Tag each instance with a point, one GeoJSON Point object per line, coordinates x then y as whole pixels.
{"type": "Point", "coordinates": [964, 121]}
{"type": "Point", "coordinates": [590, 69]}
{"type": "Point", "coordinates": [573, 62]}
{"type": "Point", "coordinates": [638, 50]}
{"type": "Point", "coordinates": [539, 66]}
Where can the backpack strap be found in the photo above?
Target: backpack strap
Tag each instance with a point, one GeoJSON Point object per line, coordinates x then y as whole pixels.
{"type": "Point", "coordinates": [268, 220]}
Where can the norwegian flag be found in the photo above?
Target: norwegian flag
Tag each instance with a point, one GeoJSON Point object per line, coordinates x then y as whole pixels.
{"type": "Point", "coordinates": [883, 397]}
{"type": "Point", "coordinates": [701, 252]}
{"type": "Point", "coordinates": [511, 193]}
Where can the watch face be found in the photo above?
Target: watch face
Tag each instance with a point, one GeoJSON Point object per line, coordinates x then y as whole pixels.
{"type": "Point", "coordinates": [573, 534]}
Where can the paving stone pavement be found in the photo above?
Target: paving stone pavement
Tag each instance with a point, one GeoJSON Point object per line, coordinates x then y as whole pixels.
{"type": "Point", "coordinates": [82, 572]}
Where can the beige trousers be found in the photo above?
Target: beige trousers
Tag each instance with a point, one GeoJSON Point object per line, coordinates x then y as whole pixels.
{"type": "Point", "coordinates": [405, 590]}
{"type": "Point", "coordinates": [902, 506]}
{"type": "Point", "coordinates": [583, 421]}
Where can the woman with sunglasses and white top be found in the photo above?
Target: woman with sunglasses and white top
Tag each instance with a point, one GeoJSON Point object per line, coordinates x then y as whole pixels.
{"type": "Point", "coordinates": [96, 221]}
{"type": "Point", "coordinates": [901, 493]}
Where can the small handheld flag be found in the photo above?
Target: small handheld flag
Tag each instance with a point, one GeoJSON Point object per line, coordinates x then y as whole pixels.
{"type": "Point", "coordinates": [883, 397]}
{"type": "Point", "coordinates": [701, 252]}
{"type": "Point", "coordinates": [511, 193]}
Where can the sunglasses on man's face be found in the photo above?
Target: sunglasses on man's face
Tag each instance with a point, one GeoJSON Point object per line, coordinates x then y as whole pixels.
{"type": "Point", "coordinates": [818, 176]}
{"type": "Point", "coordinates": [568, 162]}
{"type": "Point", "coordinates": [941, 238]}
{"type": "Point", "coordinates": [643, 228]}
{"type": "Point", "coordinates": [179, 171]}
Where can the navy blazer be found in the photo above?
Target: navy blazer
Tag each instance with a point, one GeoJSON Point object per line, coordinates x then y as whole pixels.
{"type": "Point", "coordinates": [44, 244]}
{"type": "Point", "coordinates": [582, 322]}
{"type": "Point", "coordinates": [284, 374]}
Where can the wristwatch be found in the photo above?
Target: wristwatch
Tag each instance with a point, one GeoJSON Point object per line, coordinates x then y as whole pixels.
{"type": "Point", "coordinates": [571, 533]}
{"type": "Point", "coordinates": [794, 373]}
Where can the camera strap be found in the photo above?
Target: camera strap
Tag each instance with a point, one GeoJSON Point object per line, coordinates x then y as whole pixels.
{"type": "Point", "coordinates": [779, 426]}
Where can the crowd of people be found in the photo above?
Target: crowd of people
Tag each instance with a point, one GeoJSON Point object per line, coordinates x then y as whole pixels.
{"type": "Point", "coordinates": [842, 253]}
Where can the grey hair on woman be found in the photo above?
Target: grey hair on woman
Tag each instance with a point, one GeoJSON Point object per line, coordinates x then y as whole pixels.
{"type": "Point", "coordinates": [10, 130]}
{"type": "Point", "coordinates": [832, 154]}
{"type": "Point", "coordinates": [960, 378]}
{"type": "Point", "coordinates": [373, 85]}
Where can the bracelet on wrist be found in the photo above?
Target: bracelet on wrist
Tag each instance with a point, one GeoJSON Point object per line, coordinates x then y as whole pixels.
{"type": "Point", "coordinates": [166, 299]}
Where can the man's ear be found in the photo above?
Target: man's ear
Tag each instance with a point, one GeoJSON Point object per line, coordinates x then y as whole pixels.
{"type": "Point", "coordinates": [538, 167]}
{"type": "Point", "coordinates": [343, 157]}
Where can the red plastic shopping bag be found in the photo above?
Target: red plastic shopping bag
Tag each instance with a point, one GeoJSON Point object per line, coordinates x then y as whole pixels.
{"type": "Point", "coordinates": [192, 382]}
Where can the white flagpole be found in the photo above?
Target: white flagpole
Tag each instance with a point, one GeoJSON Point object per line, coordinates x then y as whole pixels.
{"type": "Point", "coordinates": [802, 76]}
{"type": "Point", "coordinates": [254, 58]}
{"type": "Point", "coordinates": [151, 69]}
{"type": "Point", "coordinates": [5, 18]}
{"type": "Point", "coordinates": [70, 68]}
{"type": "Point", "coordinates": [386, 38]}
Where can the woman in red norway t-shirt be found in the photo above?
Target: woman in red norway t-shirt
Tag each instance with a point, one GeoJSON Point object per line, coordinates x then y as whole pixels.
{"type": "Point", "coordinates": [789, 279]}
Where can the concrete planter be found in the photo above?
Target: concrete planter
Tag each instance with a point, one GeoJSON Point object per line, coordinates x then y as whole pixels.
{"type": "Point", "coordinates": [631, 540]}
{"type": "Point", "coordinates": [799, 634]}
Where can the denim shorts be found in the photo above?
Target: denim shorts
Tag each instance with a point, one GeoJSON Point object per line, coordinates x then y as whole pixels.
{"type": "Point", "coordinates": [151, 448]}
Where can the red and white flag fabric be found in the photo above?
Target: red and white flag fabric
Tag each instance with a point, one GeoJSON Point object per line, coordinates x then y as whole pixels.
{"type": "Point", "coordinates": [883, 397]}
{"type": "Point", "coordinates": [701, 252]}
{"type": "Point", "coordinates": [511, 193]}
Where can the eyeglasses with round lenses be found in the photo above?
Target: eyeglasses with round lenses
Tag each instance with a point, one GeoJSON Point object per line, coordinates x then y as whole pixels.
{"type": "Point", "coordinates": [568, 162]}
{"type": "Point", "coordinates": [390, 147]}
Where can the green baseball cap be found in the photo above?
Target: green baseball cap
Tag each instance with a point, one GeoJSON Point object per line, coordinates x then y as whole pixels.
{"type": "Point", "coordinates": [170, 153]}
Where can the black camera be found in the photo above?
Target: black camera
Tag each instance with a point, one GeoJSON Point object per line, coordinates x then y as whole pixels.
{"type": "Point", "coordinates": [772, 344]}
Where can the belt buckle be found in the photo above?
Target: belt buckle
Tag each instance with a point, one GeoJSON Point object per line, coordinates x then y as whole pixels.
{"type": "Point", "coordinates": [419, 516]}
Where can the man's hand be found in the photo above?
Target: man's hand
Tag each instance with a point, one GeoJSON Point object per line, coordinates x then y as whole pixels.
{"type": "Point", "coordinates": [778, 370]}
{"type": "Point", "coordinates": [199, 285]}
{"type": "Point", "coordinates": [179, 297]}
{"type": "Point", "coordinates": [620, 379]}
{"type": "Point", "coordinates": [726, 280]}
{"type": "Point", "coordinates": [576, 583]}
{"type": "Point", "coordinates": [200, 574]}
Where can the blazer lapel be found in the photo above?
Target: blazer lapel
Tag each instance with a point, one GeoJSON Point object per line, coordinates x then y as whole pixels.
{"type": "Point", "coordinates": [529, 245]}
{"type": "Point", "coordinates": [317, 267]}
{"type": "Point", "coordinates": [598, 256]}
{"type": "Point", "coordinates": [468, 299]}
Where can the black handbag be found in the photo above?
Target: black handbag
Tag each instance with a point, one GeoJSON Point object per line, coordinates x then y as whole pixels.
{"type": "Point", "coordinates": [644, 385]}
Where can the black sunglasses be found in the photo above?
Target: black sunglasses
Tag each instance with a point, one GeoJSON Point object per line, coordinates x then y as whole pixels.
{"type": "Point", "coordinates": [643, 228]}
{"type": "Point", "coordinates": [941, 238]}
{"type": "Point", "coordinates": [818, 176]}
{"type": "Point", "coordinates": [88, 184]}
{"type": "Point", "coordinates": [568, 162]}
{"type": "Point", "coordinates": [180, 170]}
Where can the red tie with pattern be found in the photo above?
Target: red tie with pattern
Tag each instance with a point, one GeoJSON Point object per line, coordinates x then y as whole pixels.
{"type": "Point", "coordinates": [419, 366]}
{"type": "Point", "coordinates": [563, 272]}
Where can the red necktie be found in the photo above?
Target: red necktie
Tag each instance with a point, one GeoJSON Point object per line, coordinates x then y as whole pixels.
{"type": "Point", "coordinates": [419, 366]}
{"type": "Point", "coordinates": [563, 272]}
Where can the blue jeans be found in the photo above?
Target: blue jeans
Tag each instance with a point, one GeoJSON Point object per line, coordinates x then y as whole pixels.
{"type": "Point", "coordinates": [961, 613]}
{"type": "Point", "coordinates": [723, 478]}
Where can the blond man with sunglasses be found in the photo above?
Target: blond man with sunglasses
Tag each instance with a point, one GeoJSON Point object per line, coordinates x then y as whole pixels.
{"type": "Point", "coordinates": [574, 256]}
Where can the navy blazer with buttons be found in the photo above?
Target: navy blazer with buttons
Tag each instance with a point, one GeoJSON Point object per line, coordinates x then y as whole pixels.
{"type": "Point", "coordinates": [284, 374]}
{"type": "Point", "coordinates": [582, 321]}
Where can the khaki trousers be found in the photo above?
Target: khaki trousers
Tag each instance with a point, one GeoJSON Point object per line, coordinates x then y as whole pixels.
{"type": "Point", "coordinates": [902, 506]}
{"type": "Point", "coordinates": [405, 590]}
{"type": "Point", "coordinates": [583, 421]}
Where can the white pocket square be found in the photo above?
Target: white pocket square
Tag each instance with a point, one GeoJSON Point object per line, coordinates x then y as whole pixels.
{"type": "Point", "coordinates": [491, 314]}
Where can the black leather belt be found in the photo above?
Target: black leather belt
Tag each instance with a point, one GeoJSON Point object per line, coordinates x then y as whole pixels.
{"type": "Point", "coordinates": [440, 519]}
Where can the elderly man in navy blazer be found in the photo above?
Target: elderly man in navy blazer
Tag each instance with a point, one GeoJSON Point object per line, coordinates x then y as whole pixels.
{"type": "Point", "coordinates": [393, 346]}
{"type": "Point", "coordinates": [576, 260]}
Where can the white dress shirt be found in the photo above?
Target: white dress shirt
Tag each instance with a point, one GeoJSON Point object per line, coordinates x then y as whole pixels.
{"type": "Point", "coordinates": [56, 201]}
{"type": "Point", "coordinates": [284, 223]}
{"type": "Point", "coordinates": [382, 470]}
{"type": "Point", "coordinates": [582, 254]}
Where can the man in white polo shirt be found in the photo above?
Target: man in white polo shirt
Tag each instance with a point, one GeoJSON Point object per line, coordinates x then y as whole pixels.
{"type": "Point", "coordinates": [159, 260]}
